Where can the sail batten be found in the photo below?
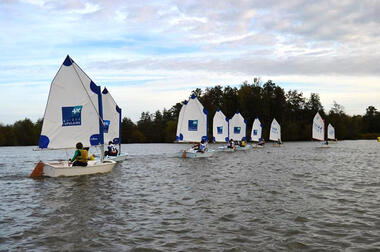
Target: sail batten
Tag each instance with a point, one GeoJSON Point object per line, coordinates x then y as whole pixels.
{"type": "Point", "coordinates": [73, 111]}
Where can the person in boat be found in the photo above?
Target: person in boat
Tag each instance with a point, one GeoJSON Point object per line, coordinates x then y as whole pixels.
{"type": "Point", "coordinates": [279, 141]}
{"type": "Point", "coordinates": [242, 143]}
{"type": "Point", "coordinates": [261, 142]}
{"type": "Point", "coordinates": [326, 142]}
{"type": "Point", "coordinates": [90, 157]}
{"type": "Point", "coordinates": [231, 144]}
{"type": "Point", "coordinates": [202, 146]}
{"type": "Point", "coordinates": [111, 150]}
{"type": "Point", "coordinates": [196, 146]}
{"type": "Point", "coordinates": [80, 157]}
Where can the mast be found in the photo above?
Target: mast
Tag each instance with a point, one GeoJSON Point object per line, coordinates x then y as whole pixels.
{"type": "Point", "coordinates": [118, 109]}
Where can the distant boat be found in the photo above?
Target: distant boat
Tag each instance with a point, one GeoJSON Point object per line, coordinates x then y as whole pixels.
{"type": "Point", "coordinates": [112, 124]}
{"type": "Point", "coordinates": [275, 133]}
{"type": "Point", "coordinates": [318, 129]}
{"type": "Point", "coordinates": [237, 130]}
{"type": "Point", "coordinates": [331, 132]}
{"type": "Point", "coordinates": [73, 113]}
{"type": "Point", "coordinates": [192, 127]}
{"type": "Point", "coordinates": [220, 130]}
{"type": "Point", "coordinates": [220, 127]}
{"type": "Point", "coordinates": [256, 134]}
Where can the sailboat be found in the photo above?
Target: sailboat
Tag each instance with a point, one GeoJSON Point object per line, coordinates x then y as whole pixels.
{"type": "Point", "coordinates": [331, 132]}
{"type": "Point", "coordinates": [192, 127]}
{"type": "Point", "coordinates": [112, 124]}
{"type": "Point", "coordinates": [275, 133]}
{"type": "Point", "coordinates": [318, 129]}
{"type": "Point", "coordinates": [256, 134]}
{"type": "Point", "coordinates": [73, 114]}
{"type": "Point", "coordinates": [237, 130]}
{"type": "Point", "coordinates": [220, 130]}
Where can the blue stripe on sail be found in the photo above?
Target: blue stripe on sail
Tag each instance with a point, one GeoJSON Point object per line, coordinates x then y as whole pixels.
{"type": "Point", "coordinates": [119, 111]}
{"type": "Point", "coordinates": [43, 142]}
{"type": "Point", "coordinates": [68, 61]}
{"type": "Point", "coordinates": [105, 91]}
{"type": "Point", "coordinates": [206, 113]}
{"type": "Point", "coordinates": [193, 96]}
{"type": "Point", "coordinates": [96, 89]}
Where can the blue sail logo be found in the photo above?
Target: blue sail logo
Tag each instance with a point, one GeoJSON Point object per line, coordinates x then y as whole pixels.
{"type": "Point", "coordinates": [71, 116]}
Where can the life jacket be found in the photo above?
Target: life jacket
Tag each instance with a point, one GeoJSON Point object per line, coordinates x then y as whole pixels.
{"type": "Point", "coordinates": [83, 156]}
{"type": "Point", "coordinates": [112, 149]}
{"type": "Point", "coordinates": [242, 143]}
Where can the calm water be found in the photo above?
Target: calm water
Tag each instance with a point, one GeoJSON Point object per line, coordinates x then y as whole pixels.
{"type": "Point", "coordinates": [297, 197]}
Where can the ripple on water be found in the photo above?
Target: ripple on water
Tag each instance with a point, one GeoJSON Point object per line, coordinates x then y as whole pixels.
{"type": "Point", "coordinates": [292, 198]}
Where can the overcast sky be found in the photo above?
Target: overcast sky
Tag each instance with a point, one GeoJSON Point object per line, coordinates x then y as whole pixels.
{"type": "Point", "coordinates": [151, 54]}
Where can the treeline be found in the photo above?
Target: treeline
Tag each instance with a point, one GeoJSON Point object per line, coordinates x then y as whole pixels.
{"type": "Point", "coordinates": [266, 101]}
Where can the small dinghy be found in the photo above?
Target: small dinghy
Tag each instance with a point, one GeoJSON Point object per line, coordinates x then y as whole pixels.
{"type": "Point", "coordinates": [318, 131]}
{"type": "Point", "coordinates": [256, 134]}
{"type": "Point", "coordinates": [192, 128]}
{"type": "Point", "coordinates": [112, 120]}
{"type": "Point", "coordinates": [275, 133]}
{"type": "Point", "coordinates": [73, 114]}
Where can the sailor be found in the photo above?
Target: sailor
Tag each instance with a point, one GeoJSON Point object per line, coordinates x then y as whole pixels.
{"type": "Point", "coordinates": [196, 146]}
{"type": "Point", "coordinates": [242, 143]}
{"type": "Point", "coordinates": [80, 157]}
{"type": "Point", "coordinates": [231, 144]}
{"type": "Point", "coordinates": [111, 149]}
{"type": "Point", "coordinates": [279, 141]}
{"type": "Point", "coordinates": [90, 157]}
{"type": "Point", "coordinates": [202, 146]}
{"type": "Point", "coordinates": [261, 142]}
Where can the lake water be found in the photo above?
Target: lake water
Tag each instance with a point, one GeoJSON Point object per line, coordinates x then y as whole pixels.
{"type": "Point", "coordinates": [296, 197]}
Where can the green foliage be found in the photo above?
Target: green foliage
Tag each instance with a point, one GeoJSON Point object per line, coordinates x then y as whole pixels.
{"type": "Point", "coordinates": [266, 101]}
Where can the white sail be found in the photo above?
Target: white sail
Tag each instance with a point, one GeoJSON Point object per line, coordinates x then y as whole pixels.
{"type": "Point", "coordinates": [330, 132]}
{"type": "Point", "coordinates": [192, 122]}
{"type": "Point", "coordinates": [220, 127]}
{"type": "Point", "coordinates": [318, 128]}
{"type": "Point", "coordinates": [257, 130]}
{"type": "Point", "coordinates": [74, 110]}
{"type": "Point", "coordinates": [275, 131]}
{"type": "Point", "coordinates": [111, 118]}
{"type": "Point", "coordinates": [237, 127]}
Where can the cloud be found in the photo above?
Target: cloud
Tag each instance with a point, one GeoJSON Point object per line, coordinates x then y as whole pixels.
{"type": "Point", "coordinates": [162, 48]}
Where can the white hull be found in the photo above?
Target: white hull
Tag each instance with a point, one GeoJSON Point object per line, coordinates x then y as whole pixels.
{"type": "Point", "coordinates": [62, 168]}
{"type": "Point", "coordinates": [324, 146]}
{"type": "Point", "coordinates": [247, 147]}
{"type": "Point", "coordinates": [194, 154]}
{"type": "Point", "coordinates": [226, 149]}
{"type": "Point", "coordinates": [118, 158]}
{"type": "Point", "coordinates": [257, 146]}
